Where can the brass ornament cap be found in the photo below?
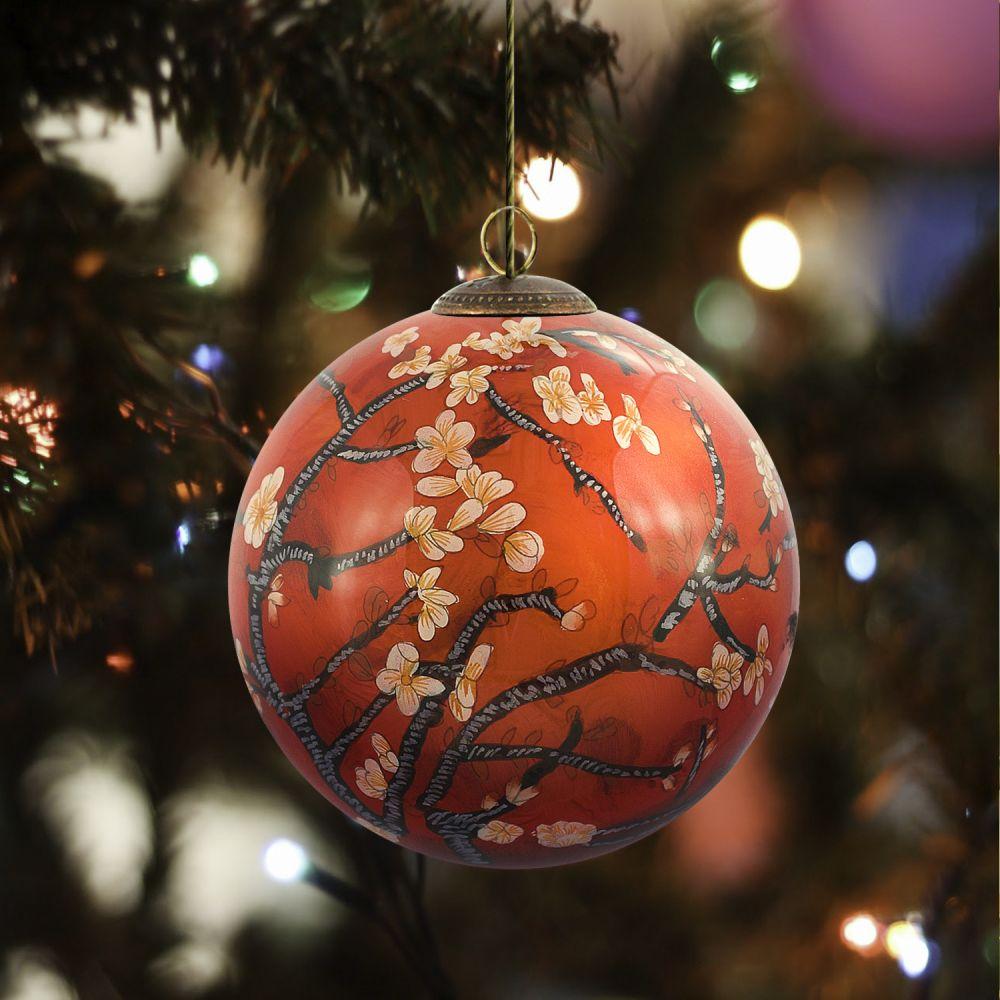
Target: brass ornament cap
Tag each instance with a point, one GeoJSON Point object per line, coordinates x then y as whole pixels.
{"type": "Point", "coordinates": [526, 295]}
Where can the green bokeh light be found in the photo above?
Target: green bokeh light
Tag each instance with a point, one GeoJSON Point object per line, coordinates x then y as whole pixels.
{"type": "Point", "coordinates": [737, 63]}
{"type": "Point", "coordinates": [339, 284]}
{"type": "Point", "coordinates": [202, 271]}
{"type": "Point", "coordinates": [725, 314]}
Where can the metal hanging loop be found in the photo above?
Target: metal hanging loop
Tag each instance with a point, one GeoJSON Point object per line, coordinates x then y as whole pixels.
{"type": "Point", "coordinates": [510, 269]}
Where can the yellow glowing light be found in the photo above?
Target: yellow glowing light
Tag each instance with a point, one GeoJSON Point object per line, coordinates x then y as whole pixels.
{"type": "Point", "coordinates": [901, 937]}
{"type": "Point", "coordinates": [859, 931]}
{"type": "Point", "coordinates": [36, 415]}
{"type": "Point", "coordinates": [770, 253]}
{"type": "Point", "coordinates": [550, 191]}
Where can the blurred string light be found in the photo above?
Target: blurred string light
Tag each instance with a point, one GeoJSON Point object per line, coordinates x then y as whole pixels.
{"type": "Point", "coordinates": [631, 315]}
{"type": "Point", "coordinates": [725, 314]}
{"type": "Point", "coordinates": [285, 860]}
{"type": "Point", "coordinates": [35, 415]}
{"type": "Point", "coordinates": [905, 942]}
{"type": "Point", "coordinates": [770, 253]}
{"type": "Point", "coordinates": [861, 561]}
{"type": "Point", "coordinates": [182, 537]}
{"type": "Point", "coordinates": [214, 885]}
{"type": "Point", "coordinates": [91, 795]}
{"type": "Point", "coordinates": [208, 357]}
{"type": "Point", "coordinates": [737, 61]}
{"type": "Point", "coordinates": [860, 932]}
{"type": "Point", "coordinates": [202, 271]}
{"type": "Point", "coordinates": [550, 189]}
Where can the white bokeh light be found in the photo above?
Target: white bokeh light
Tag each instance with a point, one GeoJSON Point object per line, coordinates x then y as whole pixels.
{"type": "Point", "coordinates": [859, 931]}
{"type": "Point", "coordinates": [550, 191]}
{"type": "Point", "coordinates": [122, 152]}
{"type": "Point", "coordinates": [92, 797]}
{"type": "Point", "coordinates": [861, 561]}
{"type": "Point", "coordinates": [216, 836]}
{"type": "Point", "coordinates": [202, 270]}
{"type": "Point", "coordinates": [905, 942]}
{"type": "Point", "coordinates": [285, 860]}
{"type": "Point", "coordinates": [31, 974]}
{"type": "Point", "coordinates": [770, 253]}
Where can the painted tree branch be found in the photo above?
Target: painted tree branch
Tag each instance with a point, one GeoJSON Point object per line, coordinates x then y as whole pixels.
{"type": "Point", "coordinates": [723, 629]}
{"type": "Point", "coordinates": [729, 583]}
{"type": "Point", "coordinates": [581, 478]}
{"type": "Point", "coordinates": [366, 456]}
{"type": "Point", "coordinates": [338, 390]}
{"type": "Point", "coordinates": [458, 829]}
{"type": "Point", "coordinates": [329, 450]}
{"type": "Point", "coordinates": [571, 677]}
{"type": "Point", "coordinates": [542, 600]}
{"type": "Point", "coordinates": [324, 569]}
{"type": "Point", "coordinates": [431, 711]}
{"type": "Point", "coordinates": [685, 599]}
{"type": "Point", "coordinates": [591, 765]}
{"type": "Point", "coordinates": [294, 702]}
{"type": "Point", "coordinates": [571, 336]}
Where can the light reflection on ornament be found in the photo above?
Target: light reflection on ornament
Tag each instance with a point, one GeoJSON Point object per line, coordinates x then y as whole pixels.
{"type": "Point", "coordinates": [725, 314]}
{"type": "Point", "coordinates": [861, 561]}
{"type": "Point", "coordinates": [860, 932]}
{"type": "Point", "coordinates": [736, 63]}
{"type": "Point", "coordinates": [770, 253]}
{"type": "Point", "coordinates": [35, 415]}
{"type": "Point", "coordinates": [550, 190]}
{"type": "Point", "coordinates": [202, 271]}
{"type": "Point", "coordinates": [285, 861]}
{"type": "Point", "coordinates": [182, 536]}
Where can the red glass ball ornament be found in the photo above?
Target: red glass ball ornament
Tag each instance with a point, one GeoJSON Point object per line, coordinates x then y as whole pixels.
{"type": "Point", "coordinates": [513, 591]}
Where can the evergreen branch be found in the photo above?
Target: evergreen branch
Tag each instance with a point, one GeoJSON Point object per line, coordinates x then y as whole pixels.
{"type": "Point", "coordinates": [370, 86]}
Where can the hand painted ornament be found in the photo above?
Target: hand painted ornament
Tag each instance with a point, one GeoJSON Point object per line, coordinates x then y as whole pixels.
{"type": "Point", "coordinates": [514, 590]}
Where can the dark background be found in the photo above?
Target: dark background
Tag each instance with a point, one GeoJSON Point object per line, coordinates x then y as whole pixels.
{"type": "Point", "coordinates": [335, 165]}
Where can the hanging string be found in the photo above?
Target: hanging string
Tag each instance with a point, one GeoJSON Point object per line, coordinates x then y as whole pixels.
{"type": "Point", "coordinates": [509, 209]}
{"type": "Point", "coordinates": [511, 180]}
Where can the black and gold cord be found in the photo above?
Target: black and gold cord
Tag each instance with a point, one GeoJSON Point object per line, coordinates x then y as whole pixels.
{"type": "Point", "coordinates": [510, 209]}
{"type": "Point", "coordinates": [510, 176]}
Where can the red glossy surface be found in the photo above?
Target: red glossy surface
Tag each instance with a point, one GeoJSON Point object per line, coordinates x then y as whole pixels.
{"type": "Point", "coordinates": [539, 664]}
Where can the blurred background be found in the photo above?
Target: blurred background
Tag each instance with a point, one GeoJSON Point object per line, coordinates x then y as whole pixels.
{"type": "Point", "coordinates": [202, 204]}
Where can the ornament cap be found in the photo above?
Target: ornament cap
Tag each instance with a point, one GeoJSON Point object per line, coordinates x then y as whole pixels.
{"type": "Point", "coordinates": [526, 295]}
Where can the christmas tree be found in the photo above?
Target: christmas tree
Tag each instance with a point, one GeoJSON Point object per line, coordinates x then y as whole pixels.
{"type": "Point", "coordinates": [202, 205]}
